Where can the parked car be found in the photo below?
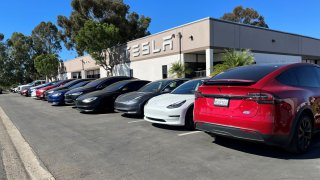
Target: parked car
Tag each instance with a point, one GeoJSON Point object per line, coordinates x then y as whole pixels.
{"type": "Point", "coordinates": [175, 108]}
{"type": "Point", "coordinates": [95, 85]}
{"type": "Point", "coordinates": [32, 90]}
{"type": "Point", "coordinates": [133, 102]}
{"type": "Point", "coordinates": [57, 97]}
{"type": "Point", "coordinates": [274, 104]}
{"type": "Point", "coordinates": [32, 84]}
{"type": "Point", "coordinates": [65, 86]}
{"type": "Point", "coordinates": [0, 90]}
{"type": "Point", "coordinates": [40, 93]}
{"type": "Point", "coordinates": [103, 100]}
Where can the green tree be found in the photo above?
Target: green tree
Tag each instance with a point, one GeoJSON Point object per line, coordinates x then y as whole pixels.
{"type": "Point", "coordinates": [130, 24]}
{"type": "Point", "coordinates": [245, 16]}
{"type": "Point", "coordinates": [100, 40]}
{"type": "Point", "coordinates": [233, 58]}
{"type": "Point", "coordinates": [46, 39]}
{"type": "Point", "coordinates": [21, 53]}
{"type": "Point", "coordinates": [5, 66]}
{"type": "Point", "coordinates": [47, 65]}
{"type": "Point", "coordinates": [179, 70]}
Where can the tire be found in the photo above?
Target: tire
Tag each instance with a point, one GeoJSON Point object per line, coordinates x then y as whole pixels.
{"type": "Point", "coordinates": [189, 123]}
{"type": "Point", "coordinates": [302, 137]}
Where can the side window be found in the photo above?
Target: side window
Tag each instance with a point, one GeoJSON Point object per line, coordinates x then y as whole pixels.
{"type": "Point", "coordinates": [288, 78]}
{"type": "Point", "coordinates": [306, 76]}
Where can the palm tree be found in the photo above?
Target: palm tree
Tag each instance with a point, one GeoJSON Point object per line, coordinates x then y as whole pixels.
{"type": "Point", "coordinates": [233, 58]}
{"type": "Point", "coordinates": [179, 70]}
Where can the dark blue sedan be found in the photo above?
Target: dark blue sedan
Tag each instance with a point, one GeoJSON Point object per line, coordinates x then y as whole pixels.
{"type": "Point", "coordinates": [57, 98]}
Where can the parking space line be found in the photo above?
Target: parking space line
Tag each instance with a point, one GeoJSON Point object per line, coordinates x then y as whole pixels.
{"type": "Point", "coordinates": [188, 133]}
{"type": "Point", "coordinates": [136, 121]}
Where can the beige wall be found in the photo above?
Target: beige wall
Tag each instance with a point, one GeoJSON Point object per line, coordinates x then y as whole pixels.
{"type": "Point", "coordinates": [199, 31]}
{"type": "Point", "coordinates": [75, 65]}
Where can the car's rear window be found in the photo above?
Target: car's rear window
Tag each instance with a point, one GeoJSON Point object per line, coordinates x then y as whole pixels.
{"type": "Point", "coordinates": [251, 73]}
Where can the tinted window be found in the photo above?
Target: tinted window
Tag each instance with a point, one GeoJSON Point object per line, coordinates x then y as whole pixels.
{"type": "Point", "coordinates": [305, 76]}
{"type": "Point", "coordinates": [188, 87]}
{"type": "Point", "coordinates": [288, 78]}
{"type": "Point", "coordinates": [95, 83]}
{"type": "Point", "coordinates": [116, 86]}
{"type": "Point", "coordinates": [80, 84]}
{"type": "Point", "coordinates": [71, 83]}
{"type": "Point", "coordinates": [153, 86]}
{"type": "Point", "coordinates": [252, 73]}
{"type": "Point", "coordinates": [174, 85]}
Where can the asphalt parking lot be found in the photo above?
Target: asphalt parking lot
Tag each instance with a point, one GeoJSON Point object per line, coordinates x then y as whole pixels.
{"type": "Point", "coordinates": [109, 146]}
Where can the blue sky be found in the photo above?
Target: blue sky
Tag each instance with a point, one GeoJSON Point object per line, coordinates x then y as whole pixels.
{"type": "Point", "coordinates": [295, 16]}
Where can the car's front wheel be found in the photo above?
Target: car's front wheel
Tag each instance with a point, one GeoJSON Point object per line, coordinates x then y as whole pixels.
{"type": "Point", "coordinates": [189, 123]}
{"type": "Point", "coordinates": [302, 135]}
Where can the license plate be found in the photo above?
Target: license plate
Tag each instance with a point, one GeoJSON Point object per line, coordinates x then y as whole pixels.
{"type": "Point", "coordinates": [221, 102]}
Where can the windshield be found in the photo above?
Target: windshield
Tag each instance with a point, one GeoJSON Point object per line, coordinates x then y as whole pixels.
{"type": "Point", "coordinates": [70, 83]}
{"type": "Point", "coordinates": [116, 86]}
{"type": "Point", "coordinates": [188, 88]}
{"type": "Point", "coordinates": [153, 86]}
{"type": "Point", "coordinates": [80, 84]}
{"type": "Point", "coordinates": [95, 83]}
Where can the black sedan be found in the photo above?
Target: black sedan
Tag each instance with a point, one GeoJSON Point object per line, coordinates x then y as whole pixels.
{"type": "Point", "coordinates": [95, 85]}
{"type": "Point", "coordinates": [133, 103]}
{"type": "Point", "coordinates": [103, 100]}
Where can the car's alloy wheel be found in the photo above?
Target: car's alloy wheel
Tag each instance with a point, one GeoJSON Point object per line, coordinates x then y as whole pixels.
{"type": "Point", "coordinates": [189, 123]}
{"type": "Point", "coordinates": [302, 136]}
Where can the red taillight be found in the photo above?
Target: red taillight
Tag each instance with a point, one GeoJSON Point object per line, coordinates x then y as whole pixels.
{"type": "Point", "coordinates": [198, 94]}
{"type": "Point", "coordinates": [261, 98]}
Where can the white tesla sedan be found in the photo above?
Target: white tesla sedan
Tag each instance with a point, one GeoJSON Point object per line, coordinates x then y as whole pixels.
{"type": "Point", "coordinates": [175, 108]}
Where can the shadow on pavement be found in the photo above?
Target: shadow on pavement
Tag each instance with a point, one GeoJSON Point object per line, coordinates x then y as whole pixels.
{"type": "Point", "coordinates": [167, 127]}
{"type": "Point", "coordinates": [268, 151]}
{"type": "Point", "coordinates": [132, 116]}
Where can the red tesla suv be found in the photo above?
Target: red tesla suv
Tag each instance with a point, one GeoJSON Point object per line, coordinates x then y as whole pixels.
{"type": "Point", "coordinates": [274, 104]}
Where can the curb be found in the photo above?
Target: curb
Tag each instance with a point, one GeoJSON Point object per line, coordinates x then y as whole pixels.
{"type": "Point", "coordinates": [20, 155]}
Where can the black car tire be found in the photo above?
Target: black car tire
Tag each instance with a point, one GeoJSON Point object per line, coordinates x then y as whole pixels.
{"type": "Point", "coordinates": [189, 123]}
{"type": "Point", "coordinates": [302, 137]}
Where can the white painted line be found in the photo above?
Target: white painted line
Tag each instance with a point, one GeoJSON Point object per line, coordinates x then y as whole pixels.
{"type": "Point", "coordinates": [136, 121]}
{"type": "Point", "coordinates": [188, 133]}
{"type": "Point", "coordinates": [26, 155]}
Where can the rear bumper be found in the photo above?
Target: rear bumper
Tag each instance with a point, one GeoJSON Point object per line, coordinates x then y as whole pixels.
{"type": "Point", "coordinates": [245, 134]}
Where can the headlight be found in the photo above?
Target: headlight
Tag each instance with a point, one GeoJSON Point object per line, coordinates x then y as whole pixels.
{"type": "Point", "coordinates": [56, 94]}
{"type": "Point", "coordinates": [50, 92]}
{"type": "Point", "coordinates": [176, 105]}
{"type": "Point", "coordinates": [89, 100]}
{"type": "Point", "coordinates": [76, 94]}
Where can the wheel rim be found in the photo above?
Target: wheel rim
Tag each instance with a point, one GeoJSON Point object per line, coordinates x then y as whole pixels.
{"type": "Point", "coordinates": [304, 134]}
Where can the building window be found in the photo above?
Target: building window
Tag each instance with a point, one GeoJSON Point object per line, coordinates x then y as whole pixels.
{"type": "Point", "coordinates": [95, 74]}
{"type": "Point", "coordinates": [164, 72]}
{"type": "Point", "coordinates": [76, 75]}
